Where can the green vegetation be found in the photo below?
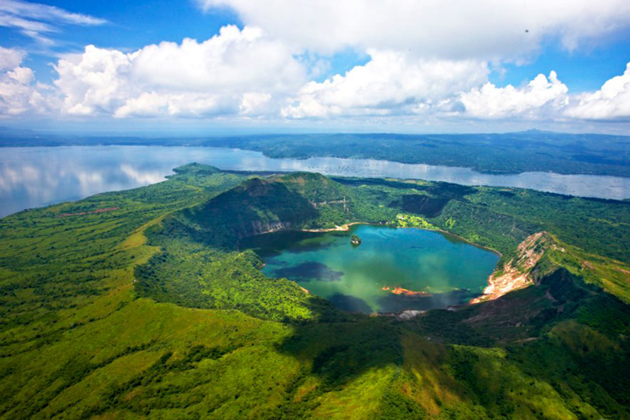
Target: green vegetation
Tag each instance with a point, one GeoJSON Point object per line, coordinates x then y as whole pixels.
{"type": "Point", "coordinates": [262, 205]}
{"type": "Point", "coordinates": [408, 220]}
{"type": "Point", "coordinates": [497, 218]}
{"type": "Point", "coordinates": [191, 274]}
{"type": "Point", "coordinates": [153, 311]}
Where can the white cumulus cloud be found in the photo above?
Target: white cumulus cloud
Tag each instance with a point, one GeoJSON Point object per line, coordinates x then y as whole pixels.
{"type": "Point", "coordinates": [154, 104]}
{"type": "Point", "coordinates": [612, 101]}
{"type": "Point", "coordinates": [428, 60]}
{"type": "Point", "coordinates": [19, 93]}
{"type": "Point", "coordinates": [541, 98]}
{"type": "Point", "coordinates": [93, 82]}
{"type": "Point", "coordinates": [234, 71]}
{"type": "Point", "coordinates": [391, 82]}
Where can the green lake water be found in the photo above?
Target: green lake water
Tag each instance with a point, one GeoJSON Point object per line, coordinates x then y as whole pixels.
{"type": "Point", "coordinates": [448, 270]}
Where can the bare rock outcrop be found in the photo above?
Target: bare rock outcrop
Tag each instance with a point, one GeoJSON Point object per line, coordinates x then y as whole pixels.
{"type": "Point", "coordinates": [517, 273]}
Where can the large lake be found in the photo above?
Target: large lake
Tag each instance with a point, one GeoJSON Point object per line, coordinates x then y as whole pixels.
{"type": "Point", "coordinates": [37, 176]}
{"type": "Point", "coordinates": [392, 270]}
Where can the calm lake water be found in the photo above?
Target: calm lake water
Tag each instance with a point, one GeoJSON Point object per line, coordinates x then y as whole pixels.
{"type": "Point", "coordinates": [448, 270]}
{"type": "Point", "coordinates": [37, 176]}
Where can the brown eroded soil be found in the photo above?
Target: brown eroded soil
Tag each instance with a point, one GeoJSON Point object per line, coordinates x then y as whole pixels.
{"type": "Point", "coordinates": [516, 274]}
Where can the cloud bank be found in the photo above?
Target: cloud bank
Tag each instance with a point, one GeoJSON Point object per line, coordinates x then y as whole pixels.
{"type": "Point", "coordinates": [237, 71]}
{"type": "Point", "coordinates": [243, 74]}
{"type": "Point", "coordinates": [390, 83]}
{"type": "Point", "coordinates": [611, 101]}
{"type": "Point", "coordinates": [482, 29]}
{"type": "Point", "coordinates": [542, 97]}
{"type": "Point", "coordinates": [427, 60]}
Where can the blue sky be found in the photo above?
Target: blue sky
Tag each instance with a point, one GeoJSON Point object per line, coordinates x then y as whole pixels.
{"type": "Point", "coordinates": [582, 70]}
{"type": "Point", "coordinates": [132, 25]}
{"type": "Point", "coordinates": [272, 65]}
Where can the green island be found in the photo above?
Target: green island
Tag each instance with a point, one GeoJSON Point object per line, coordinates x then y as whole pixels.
{"type": "Point", "coordinates": [142, 304]}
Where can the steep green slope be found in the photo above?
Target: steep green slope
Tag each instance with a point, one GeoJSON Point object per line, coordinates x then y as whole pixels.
{"type": "Point", "coordinates": [259, 205]}
{"type": "Point", "coordinates": [110, 314]}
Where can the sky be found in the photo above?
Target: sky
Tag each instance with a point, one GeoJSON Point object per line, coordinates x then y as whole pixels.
{"type": "Point", "coordinates": [247, 66]}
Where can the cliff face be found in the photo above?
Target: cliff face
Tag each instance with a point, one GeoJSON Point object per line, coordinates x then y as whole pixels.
{"type": "Point", "coordinates": [258, 227]}
{"type": "Point", "coordinates": [517, 273]}
{"type": "Point", "coordinates": [255, 206]}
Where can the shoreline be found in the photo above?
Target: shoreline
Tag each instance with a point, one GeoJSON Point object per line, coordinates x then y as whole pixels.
{"type": "Point", "coordinates": [494, 251]}
{"type": "Point", "coordinates": [342, 228]}
{"type": "Point", "coordinates": [346, 228]}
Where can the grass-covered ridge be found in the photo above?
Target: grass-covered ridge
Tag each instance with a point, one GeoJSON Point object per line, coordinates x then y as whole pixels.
{"type": "Point", "coordinates": [142, 312]}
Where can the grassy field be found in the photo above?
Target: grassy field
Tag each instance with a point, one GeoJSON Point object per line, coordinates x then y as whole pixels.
{"type": "Point", "coordinates": [136, 313]}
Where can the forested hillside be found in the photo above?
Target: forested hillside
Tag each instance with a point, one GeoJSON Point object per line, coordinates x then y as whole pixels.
{"type": "Point", "coordinates": [151, 309]}
{"type": "Point", "coordinates": [490, 153]}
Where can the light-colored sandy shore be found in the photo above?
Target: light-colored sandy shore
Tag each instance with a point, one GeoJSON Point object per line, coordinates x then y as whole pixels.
{"type": "Point", "coordinates": [342, 228]}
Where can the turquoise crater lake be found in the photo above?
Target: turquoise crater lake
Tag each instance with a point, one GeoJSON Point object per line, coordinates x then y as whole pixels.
{"type": "Point", "coordinates": [390, 271]}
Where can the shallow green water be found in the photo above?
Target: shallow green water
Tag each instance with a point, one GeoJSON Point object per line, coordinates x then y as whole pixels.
{"type": "Point", "coordinates": [352, 277]}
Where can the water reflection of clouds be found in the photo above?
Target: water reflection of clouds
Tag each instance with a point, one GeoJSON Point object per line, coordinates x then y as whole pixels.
{"type": "Point", "coordinates": [141, 178]}
{"type": "Point", "coordinates": [33, 177]}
